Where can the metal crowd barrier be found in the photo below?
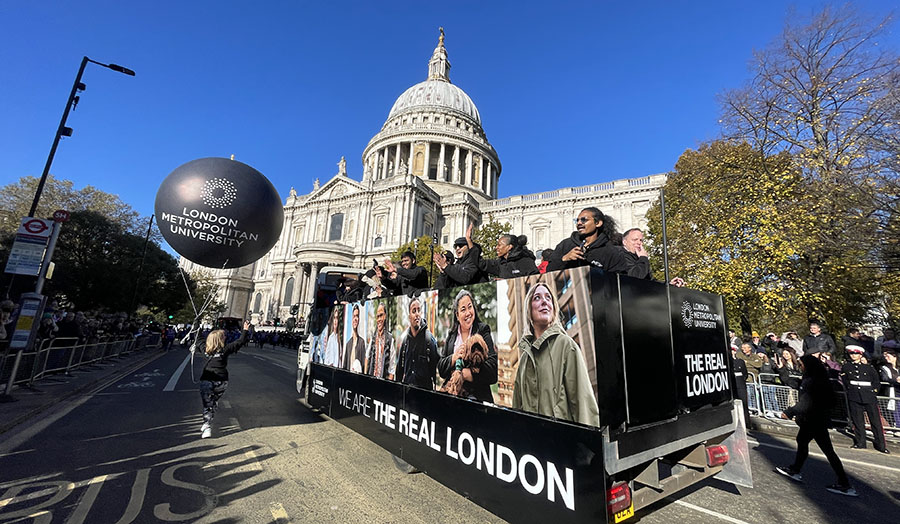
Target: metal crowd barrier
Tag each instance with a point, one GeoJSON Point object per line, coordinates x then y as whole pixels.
{"type": "Point", "coordinates": [61, 355]}
{"type": "Point", "coordinates": [772, 399]}
{"type": "Point", "coordinates": [753, 395]}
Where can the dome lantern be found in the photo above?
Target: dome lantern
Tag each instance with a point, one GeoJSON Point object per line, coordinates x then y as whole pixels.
{"type": "Point", "coordinates": [439, 66]}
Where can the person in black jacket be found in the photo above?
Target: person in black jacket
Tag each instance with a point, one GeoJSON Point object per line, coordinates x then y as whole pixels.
{"type": "Point", "coordinates": [441, 261]}
{"type": "Point", "coordinates": [513, 258]}
{"type": "Point", "coordinates": [214, 379]}
{"type": "Point", "coordinates": [590, 245]}
{"type": "Point", "coordinates": [408, 278]}
{"type": "Point", "coordinates": [476, 381]}
{"type": "Point", "coordinates": [861, 382]}
{"type": "Point", "coordinates": [817, 342]}
{"type": "Point", "coordinates": [465, 270]}
{"type": "Point", "coordinates": [417, 357]}
{"type": "Point", "coordinates": [812, 414]}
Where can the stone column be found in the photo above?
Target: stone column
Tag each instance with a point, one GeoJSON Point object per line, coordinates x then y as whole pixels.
{"type": "Point", "coordinates": [440, 170]}
{"type": "Point", "coordinates": [386, 155]}
{"type": "Point", "coordinates": [469, 168]}
{"type": "Point", "coordinates": [409, 163]}
{"type": "Point", "coordinates": [313, 275]}
{"type": "Point", "coordinates": [425, 171]}
{"type": "Point", "coordinates": [397, 159]}
{"type": "Point", "coordinates": [454, 165]}
{"type": "Point", "coordinates": [489, 179]}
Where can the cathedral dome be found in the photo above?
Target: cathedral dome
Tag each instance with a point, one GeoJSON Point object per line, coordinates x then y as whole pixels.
{"type": "Point", "coordinates": [434, 132]}
{"type": "Point", "coordinates": [433, 95]}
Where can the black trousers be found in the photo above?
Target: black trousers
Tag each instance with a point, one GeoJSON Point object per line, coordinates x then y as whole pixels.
{"type": "Point", "coordinates": [859, 424]}
{"type": "Point", "coordinates": [818, 432]}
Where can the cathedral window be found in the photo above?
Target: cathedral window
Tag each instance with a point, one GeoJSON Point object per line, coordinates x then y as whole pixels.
{"type": "Point", "coordinates": [257, 304]}
{"type": "Point", "coordinates": [288, 292]}
{"type": "Point", "coordinates": [337, 227]}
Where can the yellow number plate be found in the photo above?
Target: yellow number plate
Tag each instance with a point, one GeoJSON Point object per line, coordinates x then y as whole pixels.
{"type": "Point", "coordinates": [624, 514]}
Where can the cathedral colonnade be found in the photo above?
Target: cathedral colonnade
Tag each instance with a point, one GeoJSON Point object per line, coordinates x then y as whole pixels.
{"type": "Point", "coordinates": [446, 162]}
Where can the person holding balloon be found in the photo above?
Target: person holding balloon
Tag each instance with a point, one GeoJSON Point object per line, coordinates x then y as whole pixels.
{"type": "Point", "coordinates": [214, 379]}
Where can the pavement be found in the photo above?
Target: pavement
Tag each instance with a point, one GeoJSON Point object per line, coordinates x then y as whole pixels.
{"type": "Point", "coordinates": [27, 403]}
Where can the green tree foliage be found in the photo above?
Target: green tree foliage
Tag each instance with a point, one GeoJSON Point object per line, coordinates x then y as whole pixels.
{"type": "Point", "coordinates": [826, 93]}
{"type": "Point", "coordinates": [205, 291]}
{"type": "Point", "coordinates": [16, 199]}
{"type": "Point", "coordinates": [97, 267]}
{"type": "Point", "coordinates": [422, 248]}
{"type": "Point", "coordinates": [489, 234]}
{"type": "Point", "coordinates": [725, 228]}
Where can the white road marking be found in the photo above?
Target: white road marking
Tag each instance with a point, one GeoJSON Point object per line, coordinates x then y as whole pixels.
{"type": "Point", "coordinates": [138, 490]}
{"type": "Point", "coordinates": [278, 513]}
{"type": "Point", "coordinates": [710, 512]}
{"type": "Point", "coordinates": [822, 455]}
{"type": "Point", "coordinates": [87, 500]}
{"type": "Point", "coordinates": [252, 460]}
{"type": "Point", "coordinates": [170, 386]}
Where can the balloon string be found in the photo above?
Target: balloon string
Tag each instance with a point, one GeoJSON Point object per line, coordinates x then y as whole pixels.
{"type": "Point", "coordinates": [195, 325]}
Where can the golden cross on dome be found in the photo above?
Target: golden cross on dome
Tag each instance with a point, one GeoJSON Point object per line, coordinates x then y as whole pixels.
{"type": "Point", "coordinates": [441, 39]}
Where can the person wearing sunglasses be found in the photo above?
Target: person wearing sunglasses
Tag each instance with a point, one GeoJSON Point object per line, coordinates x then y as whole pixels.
{"type": "Point", "coordinates": [590, 245]}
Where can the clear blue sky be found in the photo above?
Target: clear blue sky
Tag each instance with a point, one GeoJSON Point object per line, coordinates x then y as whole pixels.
{"type": "Point", "coordinates": [570, 93]}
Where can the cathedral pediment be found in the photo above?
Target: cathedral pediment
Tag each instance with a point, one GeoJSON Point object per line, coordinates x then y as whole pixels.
{"type": "Point", "coordinates": [337, 187]}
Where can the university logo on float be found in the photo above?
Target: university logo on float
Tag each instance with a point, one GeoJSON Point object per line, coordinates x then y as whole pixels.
{"type": "Point", "coordinates": [699, 315]}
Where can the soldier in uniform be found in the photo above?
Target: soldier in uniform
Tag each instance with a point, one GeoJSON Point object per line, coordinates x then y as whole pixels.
{"type": "Point", "coordinates": [861, 382]}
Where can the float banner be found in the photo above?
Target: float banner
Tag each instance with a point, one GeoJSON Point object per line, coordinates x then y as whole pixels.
{"type": "Point", "coordinates": [701, 348]}
{"type": "Point", "coordinates": [320, 383]}
{"type": "Point", "coordinates": [521, 467]}
{"type": "Point", "coordinates": [476, 342]}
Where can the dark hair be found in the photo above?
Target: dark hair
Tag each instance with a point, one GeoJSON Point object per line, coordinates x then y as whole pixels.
{"type": "Point", "coordinates": [609, 224]}
{"type": "Point", "coordinates": [451, 258]}
{"type": "Point", "coordinates": [629, 231]}
{"type": "Point", "coordinates": [852, 330]}
{"type": "Point", "coordinates": [514, 240]}
{"type": "Point", "coordinates": [409, 254]}
{"type": "Point", "coordinates": [546, 254]}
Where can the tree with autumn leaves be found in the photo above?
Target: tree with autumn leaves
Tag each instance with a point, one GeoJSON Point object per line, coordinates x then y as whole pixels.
{"type": "Point", "coordinates": [793, 214]}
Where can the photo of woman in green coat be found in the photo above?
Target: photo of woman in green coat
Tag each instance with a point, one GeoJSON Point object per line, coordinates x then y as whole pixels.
{"type": "Point", "coordinates": [552, 378]}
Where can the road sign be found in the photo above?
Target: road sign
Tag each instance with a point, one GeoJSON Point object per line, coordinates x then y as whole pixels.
{"type": "Point", "coordinates": [36, 227]}
{"type": "Point", "coordinates": [60, 215]}
{"type": "Point", "coordinates": [27, 251]}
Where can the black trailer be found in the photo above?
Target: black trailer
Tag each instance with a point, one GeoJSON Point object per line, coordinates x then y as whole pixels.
{"type": "Point", "coordinates": [659, 366]}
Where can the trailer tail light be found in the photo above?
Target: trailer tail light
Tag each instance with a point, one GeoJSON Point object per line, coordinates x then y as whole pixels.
{"type": "Point", "coordinates": [618, 501]}
{"type": "Point", "coordinates": [717, 455]}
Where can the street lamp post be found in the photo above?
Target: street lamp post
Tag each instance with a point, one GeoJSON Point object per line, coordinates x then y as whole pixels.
{"type": "Point", "coordinates": [62, 130]}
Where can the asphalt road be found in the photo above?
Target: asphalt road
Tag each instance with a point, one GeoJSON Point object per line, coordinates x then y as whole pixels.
{"type": "Point", "coordinates": [131, 452]}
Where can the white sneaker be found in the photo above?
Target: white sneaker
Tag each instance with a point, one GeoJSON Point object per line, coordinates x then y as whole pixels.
{"type": "Point", "coordinates": [207, 432]}
{"type": "Point", "coordinates": [205, 426]}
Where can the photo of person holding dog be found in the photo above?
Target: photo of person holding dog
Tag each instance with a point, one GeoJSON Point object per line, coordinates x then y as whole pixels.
{"type": "Point", "coordinates": [469, 360]}
{"type": "Point", "coordinates": [552, 377]}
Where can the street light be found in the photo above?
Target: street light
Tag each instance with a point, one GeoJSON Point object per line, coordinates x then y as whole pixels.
{"type": "Point", "coordinates": [62, 130]}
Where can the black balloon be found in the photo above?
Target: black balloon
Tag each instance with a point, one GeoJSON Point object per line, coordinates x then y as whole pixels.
{"type": "Point", "coordinates": [219, 213]}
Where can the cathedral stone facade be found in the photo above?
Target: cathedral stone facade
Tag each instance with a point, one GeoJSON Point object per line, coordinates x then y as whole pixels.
{"type": "Point", "coordinates": [430, 170]}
